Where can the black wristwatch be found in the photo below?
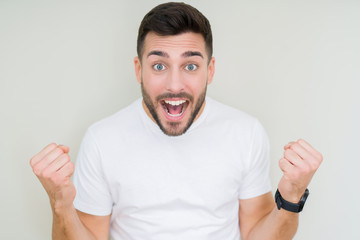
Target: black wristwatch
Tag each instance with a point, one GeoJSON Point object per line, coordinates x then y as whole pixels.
{"type": "Point", "coordinates": [292, 207]}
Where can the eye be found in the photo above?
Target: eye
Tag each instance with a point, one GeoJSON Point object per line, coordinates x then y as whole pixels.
{"type": "Point", "coordinates": [191, 67]}
{"type": "Point", "coordinates": [158, 67]}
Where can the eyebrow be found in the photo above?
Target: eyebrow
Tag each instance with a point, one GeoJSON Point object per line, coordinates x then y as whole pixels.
{"type": "Point", "coordinates": [185, 54]}
{"type": "Point", "coordinates": [191, 54]}
{"type": "Point", "coordinates": [158, 53]}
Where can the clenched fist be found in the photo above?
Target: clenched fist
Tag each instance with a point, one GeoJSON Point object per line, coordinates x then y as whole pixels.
{"type": "Point", "coordinates": [53, 167]}
{"type": "Point", "coordinates": [299, 164]}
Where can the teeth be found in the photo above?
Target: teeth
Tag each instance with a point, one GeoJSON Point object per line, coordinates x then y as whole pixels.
{"type": "Point", "coordinates": [175, 115]}
{"type": "Point", "coordinates": [175, 103]}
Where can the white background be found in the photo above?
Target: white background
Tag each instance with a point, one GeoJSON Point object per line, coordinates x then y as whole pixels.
{"type": "Point", "coordinates": [295, 65]}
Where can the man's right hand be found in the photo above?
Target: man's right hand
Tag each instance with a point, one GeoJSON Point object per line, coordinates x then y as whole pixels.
{"type": "Point", "coordinates": [53, 167]}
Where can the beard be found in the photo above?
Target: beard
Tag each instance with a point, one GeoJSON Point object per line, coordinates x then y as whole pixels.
{"type": "Point", "coordinates": [174, 128]}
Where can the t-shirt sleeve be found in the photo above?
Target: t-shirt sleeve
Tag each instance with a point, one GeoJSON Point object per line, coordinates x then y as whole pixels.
{"type": "Point", "coordinates": [256, 180]}
{"type": "Point", "coordinates": [92, 191]}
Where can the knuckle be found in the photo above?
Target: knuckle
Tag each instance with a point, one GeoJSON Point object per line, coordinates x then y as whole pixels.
{"type": "Point", "coordinates": [288, 152]}
{"type": "Point", "coordinates": [314, 167]}
{"type": "Point", "coordinates": [300, 140]}
{"type": "Point", "coordinates": [37, 170]}
{"type": "Point", "coordinates": [46, 174]}
{"type": "Point", "coordinates": [71, 166]}
{"type": "Point", "coordinates": [52, 145]}
{"type": "Point", "coordinates": [63, 160]}
{"type": "Point", "coordinates": [59, 151]}
{"type": "Point", "coordinates": [306, 169]}
{"type": "Point", "coordinates": [32, 161]}
{"type": "Point", "coordinates": [296, 144]}
{"type": "Point", "coordinates": [321, 157]}
{"type": "Point", "coordinates": [67, 181]}
{"type": "Point", "coordinates": [282, 164]}
{"type": "Point", "coordinates": [55, 178]}
{"type": "Point", "coordinates": [313, 163]}
{"type": "Point", "coordinates": [53, 155]}
{"type": "Point", "coordinates": [66, 157]}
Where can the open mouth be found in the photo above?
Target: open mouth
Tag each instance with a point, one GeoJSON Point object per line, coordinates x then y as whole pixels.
{"type": "Point", "coordinates": [174, 109]}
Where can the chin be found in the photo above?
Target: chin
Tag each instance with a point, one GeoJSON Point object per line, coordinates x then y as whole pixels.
{"type": "Point", "coordinates": [173, 129]}
{"type": "Point", "coordinates": [173, 113]}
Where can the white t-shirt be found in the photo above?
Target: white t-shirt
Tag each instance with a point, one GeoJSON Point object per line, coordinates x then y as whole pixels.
{"type": "Point", "coordinates": [160, 187]}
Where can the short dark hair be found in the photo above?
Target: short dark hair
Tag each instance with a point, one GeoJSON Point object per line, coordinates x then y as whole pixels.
{"type": "Point", "coordinates": [174, 18]}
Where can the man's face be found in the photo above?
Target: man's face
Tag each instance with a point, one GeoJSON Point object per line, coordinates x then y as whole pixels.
{"type": "Point", "coordinates": [174, 72]}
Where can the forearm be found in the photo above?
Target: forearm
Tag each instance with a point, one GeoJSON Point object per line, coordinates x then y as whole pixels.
{"type": "Point", "coordinates": [68, 226]}
{"type": "Point", "coordinates": [277, 225]}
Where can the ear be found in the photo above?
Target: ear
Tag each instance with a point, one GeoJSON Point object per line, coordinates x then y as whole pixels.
{"type": "Point", "coordinates": [137, 69]}
{"type": "Point", "coordinates": [211, 70]}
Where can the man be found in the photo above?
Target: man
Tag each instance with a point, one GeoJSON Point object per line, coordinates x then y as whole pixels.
{"type": "Point", "coordinates": [176, 164]}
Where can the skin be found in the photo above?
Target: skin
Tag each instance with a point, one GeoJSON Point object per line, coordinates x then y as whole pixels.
{"type": "Point", "coordinates": [53, 168]}
{"type": "Point", "coordinates": [258, 217]}
{"type": "Point", "coordinates": [186, 70]}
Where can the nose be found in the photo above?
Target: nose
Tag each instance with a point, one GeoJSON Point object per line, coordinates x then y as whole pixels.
{"type": "Point", "coordinates": [175, 82]}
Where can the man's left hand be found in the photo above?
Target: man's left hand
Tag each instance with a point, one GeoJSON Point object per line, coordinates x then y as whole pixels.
{"type": "Point", "coordinates": [299, 164]}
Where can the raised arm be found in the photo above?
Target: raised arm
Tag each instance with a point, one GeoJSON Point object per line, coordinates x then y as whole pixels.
{"type": "Point", "coordinates": [53, 168]}
{"type": "Point", "coordinates": [259, 217]}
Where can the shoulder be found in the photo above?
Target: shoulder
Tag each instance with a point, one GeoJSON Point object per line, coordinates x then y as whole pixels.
{"type": "Point", "coordinates": [228, 115]}
{"type": "Point", "coordinates": [234, 124]}
{"type": "Point", "coordinates": [118, 122]}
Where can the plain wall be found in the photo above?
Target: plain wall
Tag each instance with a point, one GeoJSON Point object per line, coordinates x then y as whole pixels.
{"type": "Point", "coordinates": [292, 64]}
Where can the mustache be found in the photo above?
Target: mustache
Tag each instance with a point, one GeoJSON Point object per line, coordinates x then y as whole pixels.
{"type": "Point", "coordinates": [173, 95]}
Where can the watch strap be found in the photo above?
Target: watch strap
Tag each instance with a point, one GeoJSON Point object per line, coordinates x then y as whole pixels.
{"type": "Point", "coordinates": [292, 207]}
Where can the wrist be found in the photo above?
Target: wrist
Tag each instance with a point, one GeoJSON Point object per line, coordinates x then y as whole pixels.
{"type": "Point", "coordinates": [290, 206]}
{"type": "Point", "coordinates": [291, 198]}
{"type": "Point", "coordinates": [291, 193]}
{"type": "Point", "coordinates": [62, 210]}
